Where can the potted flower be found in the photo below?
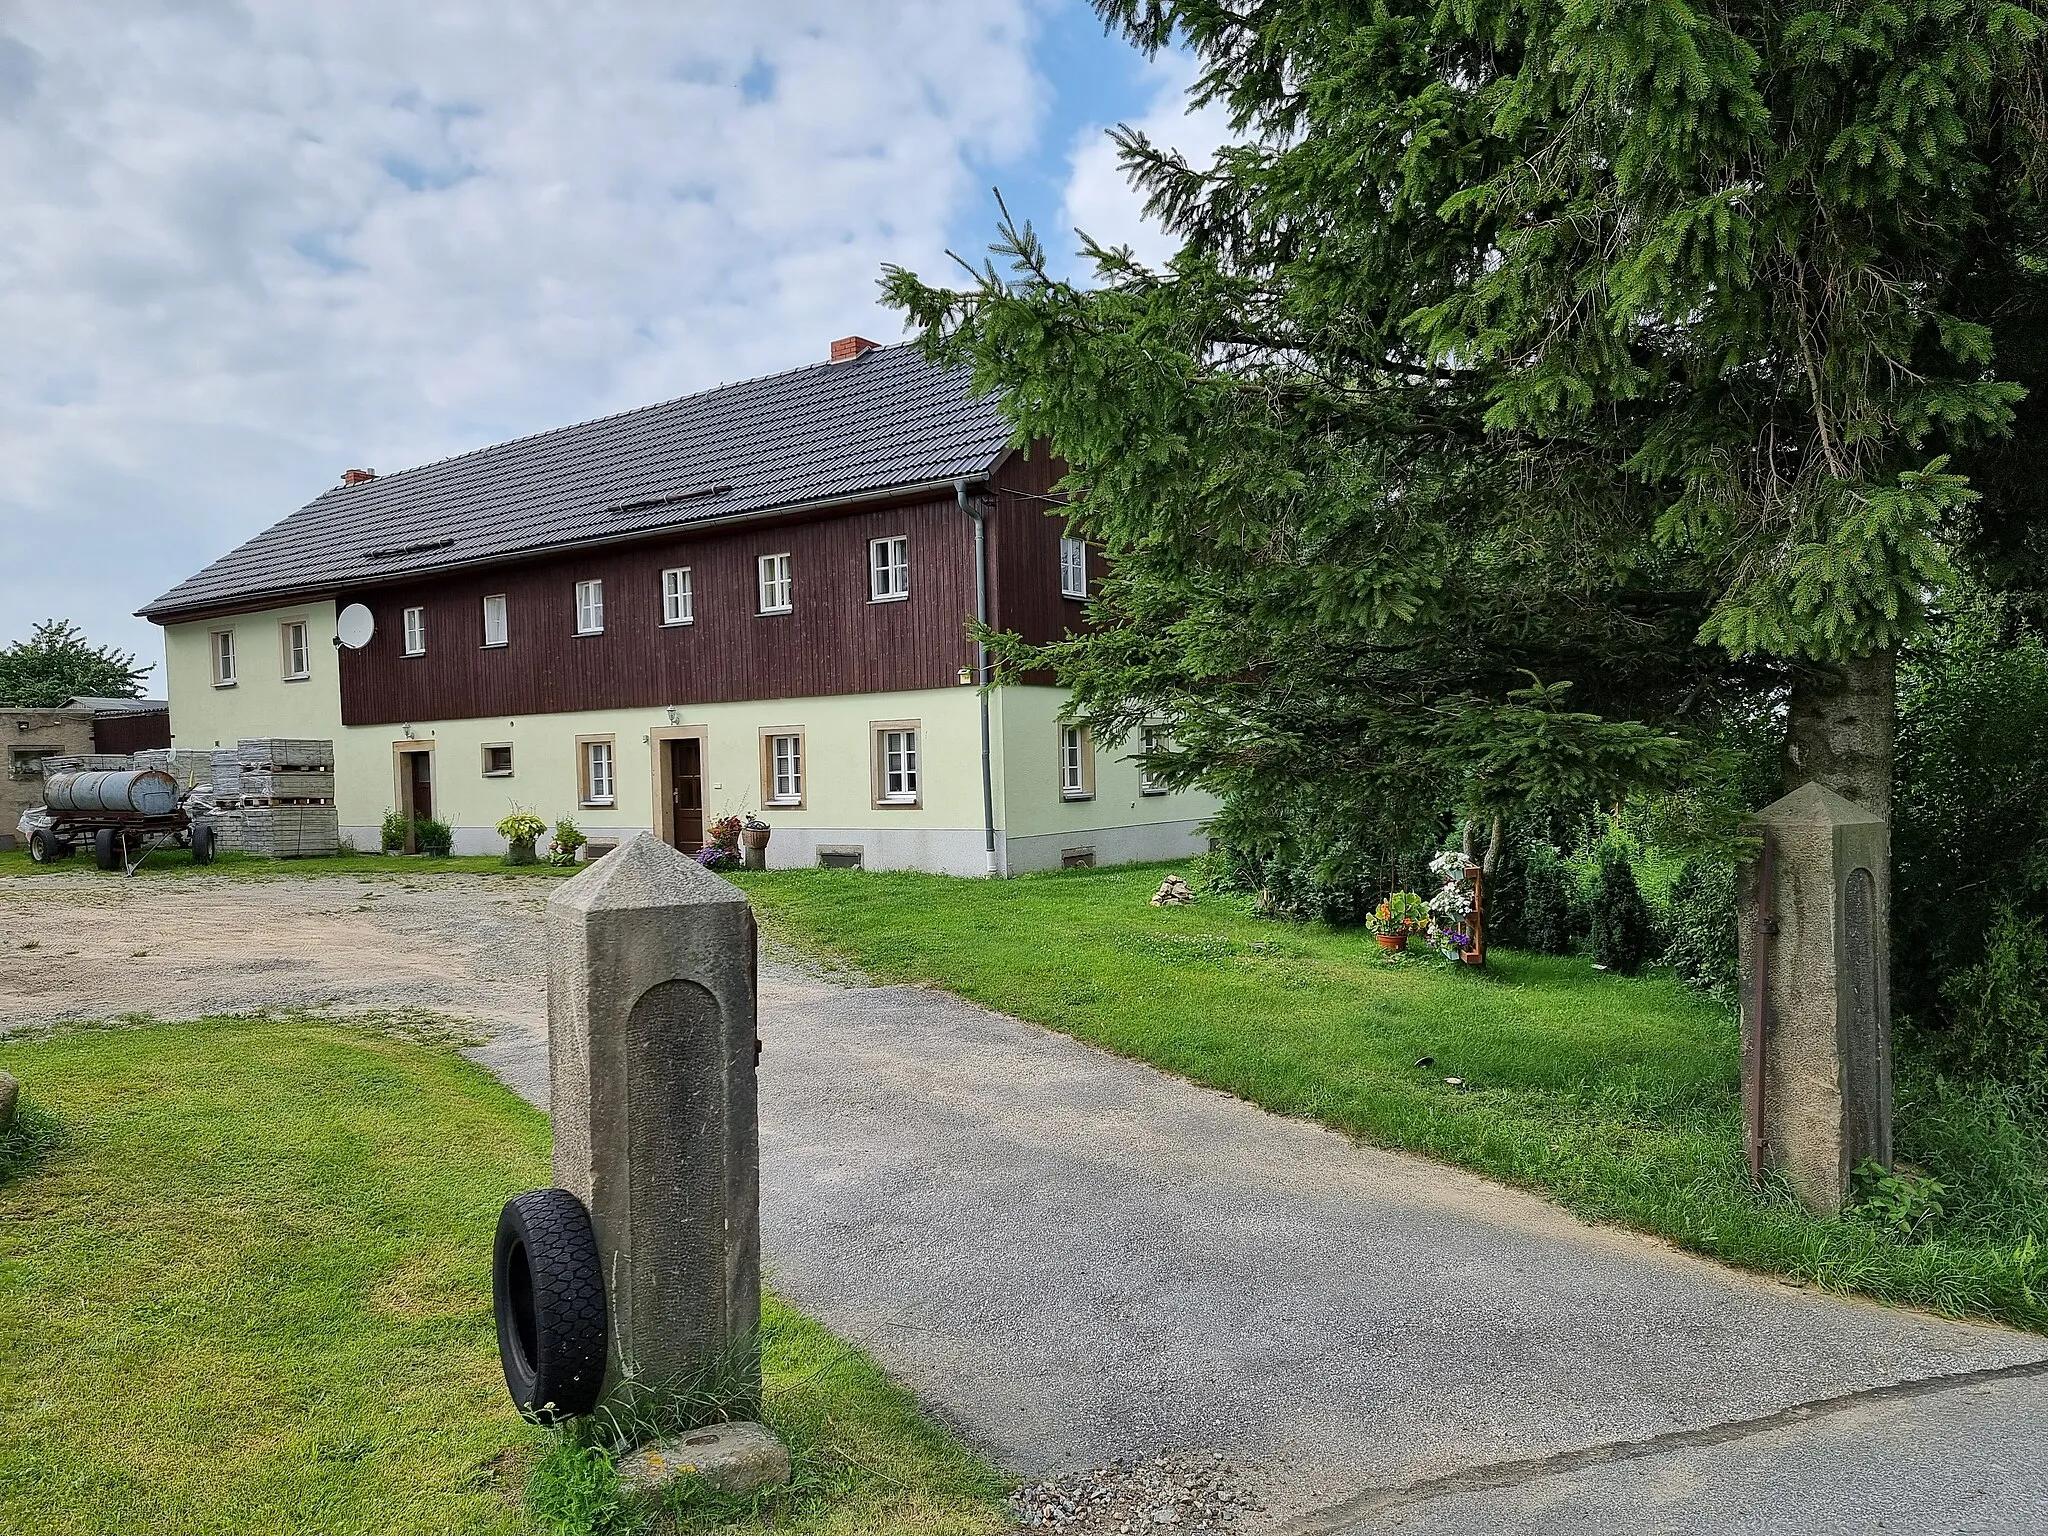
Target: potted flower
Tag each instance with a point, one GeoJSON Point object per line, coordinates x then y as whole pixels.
{"type": "Point", "coordinates": [521, 830]}
{"type": "Point", "coordinates": [568, 840]}
{"type": "Point", "coordinates": [754, 833]}
{"type": "Point", "coordinates": [1394, 919]}
{"type": "Point", "coordinates": [721, 848]}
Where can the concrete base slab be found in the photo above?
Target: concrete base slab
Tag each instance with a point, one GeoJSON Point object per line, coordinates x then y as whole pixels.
{"type": "Point", "coordinates": [733, 1458]}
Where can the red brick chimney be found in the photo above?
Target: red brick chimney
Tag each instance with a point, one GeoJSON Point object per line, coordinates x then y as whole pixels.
{"type": "Point", "coordinates": [846, 348]}
{"type": "Point", "coordinates": [357, 476]}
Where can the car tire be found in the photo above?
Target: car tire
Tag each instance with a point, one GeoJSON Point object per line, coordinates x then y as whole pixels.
{"type": "Point", "coordinates": [106, 848]}
{"type": "Point", "coordinates": [202, 843]}
{"type": "Point", "coordinates": [547, 1288]}
{"type": "Point", "coordinates": [46, 847]}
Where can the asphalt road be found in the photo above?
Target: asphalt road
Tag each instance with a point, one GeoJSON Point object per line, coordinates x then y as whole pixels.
{"type": "Point", "coordinates": [1069, 1256]}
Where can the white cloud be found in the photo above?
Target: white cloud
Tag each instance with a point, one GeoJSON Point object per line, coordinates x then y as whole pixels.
{"type": "Point", "coordinates": [250, 244]}
{"type": "Point", "coordinates": [1099, 198]}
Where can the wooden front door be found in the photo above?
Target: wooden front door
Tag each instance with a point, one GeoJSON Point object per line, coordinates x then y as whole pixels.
{"type": "Point", "coordinates": [419, 773]}
{"type": "Point", "coordinates": [686, 793]}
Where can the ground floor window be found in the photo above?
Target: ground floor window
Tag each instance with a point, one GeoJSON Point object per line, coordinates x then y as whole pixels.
{"type": "Point", "coordinates": [297, 657]}
{"type": "Point", "coordinates": [1156, 739]}
{"type": "Point", "coordinates": [1077, 764]}
{"type": "Point", "coordinates": [224, 658]}
{"type": "Point", "coordinates": [783, 765]}
{"type": "Point", "coordinates": [599, 781]}
{"type": "Point", "coordinates": [897, 779]}
{"type": "Point", "coordinates": [498, 761]}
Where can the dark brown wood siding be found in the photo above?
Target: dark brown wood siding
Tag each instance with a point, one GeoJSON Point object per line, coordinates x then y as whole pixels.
{"type": "Point", "coordinates": [835, 642]}
{"type": "Point", "coordinates": [1025, 527]}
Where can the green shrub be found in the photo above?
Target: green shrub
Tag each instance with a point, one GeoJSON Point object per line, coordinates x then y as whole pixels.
{"type": "Point", "coordinates": [1998, 1009]}
{"type": "Point", "coordinates": [392, 839]}
{"type": "Point", "coordinates": [433, 838]}
{"type": "Point", "coordinates": [1622, 938]}
{"type": "Point", "coordinates": [1552, 919]}
{"type": "Point", "coordinates": [1699, 928]}
{"type": "Point", "coordinates": [1970, 839]}
{"type": "Point", "coordinates": [567, 840]}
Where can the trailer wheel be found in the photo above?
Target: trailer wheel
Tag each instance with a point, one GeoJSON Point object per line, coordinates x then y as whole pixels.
{"type": "Point", "coordinates": [106, 848]}
{"type": "Point", "coordinates": [548, 1291]}
{"type": "Point", "coordinates": [202, 843]}
{"type": "Point", "coordinates": [46, 847]}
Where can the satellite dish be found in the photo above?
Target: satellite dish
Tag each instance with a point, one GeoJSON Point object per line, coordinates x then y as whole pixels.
{"type": "Point", "coordinates": [353, 627]}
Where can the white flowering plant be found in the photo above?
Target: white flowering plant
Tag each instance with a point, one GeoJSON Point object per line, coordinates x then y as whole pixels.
{"type": "Point", "coordinates": [1450, 909]}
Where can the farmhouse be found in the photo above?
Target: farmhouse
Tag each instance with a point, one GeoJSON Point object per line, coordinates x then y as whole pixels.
{"type": "Point", "coordinates": [755, 599]}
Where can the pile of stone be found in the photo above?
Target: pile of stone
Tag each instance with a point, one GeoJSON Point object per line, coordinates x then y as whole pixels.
{"type": "Point", "coordinates": [187, 766]}
{"type": "Point", "coordinates": [1196, 1491]}
{"type": "Point", "coordinates": [275, 798]}
{"type": "Point", "coordinates": [1173, 892]}
{"type": "Point", "coordinates": [88, 762]}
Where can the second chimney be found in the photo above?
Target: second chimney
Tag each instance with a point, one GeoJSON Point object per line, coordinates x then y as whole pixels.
{"type": "Point", "coordinates": [846, 348]}
{"type": "Point", "coordinates": [357, 476]}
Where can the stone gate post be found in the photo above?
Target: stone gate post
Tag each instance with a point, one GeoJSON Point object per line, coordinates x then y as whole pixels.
{"type": "Point", "coordinates": [651, 1049]}
{"type": "Point", "coordinates": [1813, 919]}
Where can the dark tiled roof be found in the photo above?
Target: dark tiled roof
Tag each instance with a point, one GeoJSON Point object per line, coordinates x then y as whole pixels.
{"type": "Point", "coordinates": [885, 419]}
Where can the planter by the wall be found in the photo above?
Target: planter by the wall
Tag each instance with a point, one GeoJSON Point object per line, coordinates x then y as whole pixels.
{"type": "Point", "coordinates": [520, 852]}
{"type": "Point", "coordinates": [754, 846]}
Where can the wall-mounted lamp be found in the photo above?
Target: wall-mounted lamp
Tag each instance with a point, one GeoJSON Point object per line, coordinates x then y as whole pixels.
{"type": "Point", "coordinates": [967, 677]}
{"type": "Point", "coordinates": [675, 716]}
{"type": "Point", "coordinates": [408, 732]}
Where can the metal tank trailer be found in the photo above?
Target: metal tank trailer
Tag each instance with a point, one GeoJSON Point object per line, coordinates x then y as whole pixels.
{"type": "Point", "coordinates": [126, 815]}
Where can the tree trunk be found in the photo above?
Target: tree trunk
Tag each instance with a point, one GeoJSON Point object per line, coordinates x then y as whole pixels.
{"type": "Point", "coordinates": [1838, 730]}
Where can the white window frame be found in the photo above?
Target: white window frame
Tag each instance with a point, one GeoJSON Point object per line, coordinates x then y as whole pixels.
{"type": "Point", "coordinates": [413, 625]}
{"type": "Point", "coordinates": [1153, 738]}
{"type": "Point", "coordinates": [773, 585]}
{"type": "Point", "coordinates": [1077, 767]}
{"type": "Point", "coordinates": [678, 600]}
{"type": "Point", "coordinates": [899, 778]}
{"type": "Point", "coordinates": [502, 613]}
{"type": "Point", "coordinates": [296, 647]}
{"type": "Point", "coordinates": [590, 606]}
{"type": "Point", "coordinates": [785, 764]}
{"type": "Point", "coordinates": [889, 568]}
{"type": "Point", "coordinates": [600, 789]}
{"type": "Point", "coordinates": [1073, 567]}
{"type": "Point", "coordinates": [221, 646]}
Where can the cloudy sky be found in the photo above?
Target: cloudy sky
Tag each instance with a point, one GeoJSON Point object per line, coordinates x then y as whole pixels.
{"type": "Point", "coordinates": [250, 243]}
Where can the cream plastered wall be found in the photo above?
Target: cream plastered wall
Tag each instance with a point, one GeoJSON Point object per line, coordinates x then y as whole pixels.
{"type": "Point", "coordinates": [1030, 803]}
{"type": "Point", "coordinates": [546, 778]}
{"type": "Point", "coordinates": [262, 702]}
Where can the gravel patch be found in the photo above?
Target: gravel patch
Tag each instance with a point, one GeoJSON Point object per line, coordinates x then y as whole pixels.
{"type": "Point", "coordinates": [1174, 1491]}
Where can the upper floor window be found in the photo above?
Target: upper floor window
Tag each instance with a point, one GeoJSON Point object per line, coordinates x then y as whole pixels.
{"type": "Point", "coordinates": [415, 631]}
{"type": "Point", "coordinates": [1077, 764]}
{"type": "Point", "coordinates": [774, 571]}
{"type": "Point", "coordinates": [589, 607]}
{"type": "Point", "coordinates": [1073, 567]}
{"type": "Point", "coordinates": [675, 596]}
{"type": "Point", "coordinates": [495, 627]}
{"type": "Point", "coordinates": [888, 569]}
{"type": "Point", "coordinates": [222, 645]}
{"type": "Point", "coordinates": [295, 654]}
{"type": "Point", "coordinates": [896, 766]}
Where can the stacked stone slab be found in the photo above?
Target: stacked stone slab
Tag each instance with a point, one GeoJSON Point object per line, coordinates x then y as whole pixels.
{"type": "Point", "coordinates": [88, 762]}
{"type": "Point", "coordinates": [284, 797]}
{"type": "Point", "coordinates": [188, 766]}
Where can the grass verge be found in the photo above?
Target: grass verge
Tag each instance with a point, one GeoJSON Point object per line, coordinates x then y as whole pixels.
{"type": "Point", "coordinates": [244, 1286]}
{"type": "Point", "coordinates": [176, 863]}
{"type": "Point", "coordinates": [1618, 1097]}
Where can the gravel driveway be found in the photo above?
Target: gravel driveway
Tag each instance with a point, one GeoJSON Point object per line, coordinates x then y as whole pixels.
{"type": "Point", "coordinates": [1072, 1257]}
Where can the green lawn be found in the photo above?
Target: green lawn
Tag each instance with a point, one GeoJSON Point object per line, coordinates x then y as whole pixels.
{"type": "Point", "coordinates": [1616, 1096]}
{"type": "Point", "coordinates": [244, 1286]}
{"type": "Point", "coordinates": [178, 862]}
